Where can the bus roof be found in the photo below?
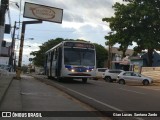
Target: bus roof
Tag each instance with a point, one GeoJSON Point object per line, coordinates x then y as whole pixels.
{"type": "Point", "coordinates": [83, 44]}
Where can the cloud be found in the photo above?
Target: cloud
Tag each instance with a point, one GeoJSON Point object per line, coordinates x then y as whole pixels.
{"type": "Point", "coordinates": [81, 19]}
{"type": "Point", "coordinates": [29, 46]}
{"type": "Point", "coordinates": [82, 10]}
{"type": "Point", "coordinates": [94, 34]}
{"type": "Point", "coordinates": [87, 11]}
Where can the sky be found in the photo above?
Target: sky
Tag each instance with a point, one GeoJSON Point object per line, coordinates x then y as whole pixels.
{"type": "Point", "coordinates": [82, 19]}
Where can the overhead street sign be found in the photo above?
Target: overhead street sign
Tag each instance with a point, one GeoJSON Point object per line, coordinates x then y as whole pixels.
{"type": "Point", "coordinates": [30, 59]}
{"type": "Point", "coordinates": [44, 13]}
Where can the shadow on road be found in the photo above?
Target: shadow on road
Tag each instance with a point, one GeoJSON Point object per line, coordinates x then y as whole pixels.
{"type": "Point", "coordinates": [71, 81]}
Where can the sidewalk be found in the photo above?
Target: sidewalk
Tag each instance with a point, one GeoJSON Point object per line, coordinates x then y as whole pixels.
{"type": "Point", "coordinates": [5, 81]}
{"type": "Point", "coordinates": [29, 94]}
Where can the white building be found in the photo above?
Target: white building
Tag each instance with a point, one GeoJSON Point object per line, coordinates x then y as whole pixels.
{"type": "Point", "coordinates": [5, 53]}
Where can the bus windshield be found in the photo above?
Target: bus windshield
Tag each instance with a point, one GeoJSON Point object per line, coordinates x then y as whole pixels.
{"type": "Point", "coordinates": [76, 56]}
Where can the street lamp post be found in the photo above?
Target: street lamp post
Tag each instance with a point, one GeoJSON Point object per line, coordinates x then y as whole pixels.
{"type": "Point", "coordinates": [30, 38]}
{"type": "Point", "coordinates": [27, 45]}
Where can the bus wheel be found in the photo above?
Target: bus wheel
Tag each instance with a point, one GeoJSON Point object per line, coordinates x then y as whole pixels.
{"type": "Point", "coordinates": [49, 77]}
{"type": "Point", "coordinates": [59, 79]}
{"type": "Point", "coordinates": [84, 80]}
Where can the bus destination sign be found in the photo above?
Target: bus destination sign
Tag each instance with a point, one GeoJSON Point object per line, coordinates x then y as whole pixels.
{"type": "Point", "coordinates": [79, 45]}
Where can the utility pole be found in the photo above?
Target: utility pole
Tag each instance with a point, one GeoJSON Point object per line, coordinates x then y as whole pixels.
{"type": "Point", "coordinates": [12, 47]}
{"type": "Point", "coordinates": [24, 23]}
{"type": "Point", "coordinates": [4, 6]}
{"type": "Point", "coordinates": [110, 57]}
{"type": "Point", "coordinates": [110, 53]}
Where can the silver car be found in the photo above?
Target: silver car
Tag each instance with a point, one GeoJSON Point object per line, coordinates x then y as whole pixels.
{"type": "Point", "coordinates": [133, 77]}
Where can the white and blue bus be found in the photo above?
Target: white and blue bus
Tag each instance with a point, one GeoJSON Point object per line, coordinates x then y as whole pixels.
{"type": "Point", "coordinates": [71, 59]}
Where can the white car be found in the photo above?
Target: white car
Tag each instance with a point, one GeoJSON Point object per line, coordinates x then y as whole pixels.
{"type": "Point", "coordinates": [110, 75]}
{"type": "Point", "coordinates": [100, 72]}
{"type": "Point", "coordinates": [133, 77]}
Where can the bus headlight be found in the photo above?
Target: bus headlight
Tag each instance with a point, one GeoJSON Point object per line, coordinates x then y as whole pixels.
{"type": "Point", "coordinates": [72, 70]}
{"type": "Point", "coordinates": [87, 70]}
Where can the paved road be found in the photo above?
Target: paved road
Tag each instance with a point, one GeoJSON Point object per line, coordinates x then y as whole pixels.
{"type": "Point", "coordinates": [123, 97]}
{"type": "Point", "coordinates": [41, 95]}
{"type": "Point", "coordinates": [29, 94]}
{"type": "Point", "coordinates": [113, 97]}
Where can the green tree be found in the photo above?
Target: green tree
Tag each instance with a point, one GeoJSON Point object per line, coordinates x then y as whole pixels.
{"type": "Point", "coordinates": [101, 55]}
{"type": "Point", "coordinates": [137, 21]}
{"type": "Point", "coordinates": [118, 24]}
{"type": "Point", "coordinates": [39, 58]}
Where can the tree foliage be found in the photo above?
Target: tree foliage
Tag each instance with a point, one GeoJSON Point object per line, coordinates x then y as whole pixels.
{"type": "Point", "coordinates": [38, 60]}
{"type": "Point", "coordinates": [101, 55]}
{"type": "Point", "coordinates": [137, 21]}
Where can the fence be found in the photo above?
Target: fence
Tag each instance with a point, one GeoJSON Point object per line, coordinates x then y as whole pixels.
{"type": "Point", "coordinates": [147, 69]}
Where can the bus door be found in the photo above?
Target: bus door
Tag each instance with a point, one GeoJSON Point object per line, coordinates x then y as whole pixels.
{"type": "Point", "coordinates": [45, 64]}
{"type": "Point", "coordinates": [54, 61]}
{"type": "Point", "coordinates": [59, 62]}
{"type": "Point", "coordinates": [48, 64]}
{"type": "Point", "coordinates": [51, 62]}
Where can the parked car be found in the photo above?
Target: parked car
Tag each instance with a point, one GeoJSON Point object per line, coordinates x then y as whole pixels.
{"type": "Point", "coordinates": [100, 72]}
{"type": "Point", "coordinates": [133, 77]}
{"type": "Point", "coordinates": [110, 75]}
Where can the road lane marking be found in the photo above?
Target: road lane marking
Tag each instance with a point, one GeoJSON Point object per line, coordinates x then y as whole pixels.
{"type": "Point", "coordinates": [132, 91]}
{"type": "Point", "coordinates": [112, 107]}
{"type": "Point", "coordinates": [107, 105]}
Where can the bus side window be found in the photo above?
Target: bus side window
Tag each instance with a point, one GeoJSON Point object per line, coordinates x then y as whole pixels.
{"type": "Point", "coordinates": [49, 56]}
{"type": "Point", "coordinates": [46, 58]}
{"type": "Point", "coordinates": [56, 53]}
{"type": "Point", "coordinates": [52, 55]}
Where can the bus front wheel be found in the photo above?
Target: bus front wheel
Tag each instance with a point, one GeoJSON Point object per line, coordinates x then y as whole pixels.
{"type": "Point", "coordinates": [59, 79]}
{"type": "Point", "coordinates": [84, 80]}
